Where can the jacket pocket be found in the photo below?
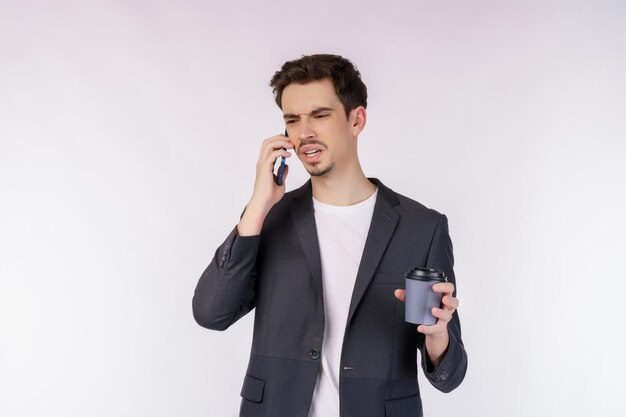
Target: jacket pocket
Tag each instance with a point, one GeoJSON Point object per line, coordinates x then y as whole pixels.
{"type": "Point", "coordinates": [404, 407]}
{"type": "Point", "coordinates": [253, 388]}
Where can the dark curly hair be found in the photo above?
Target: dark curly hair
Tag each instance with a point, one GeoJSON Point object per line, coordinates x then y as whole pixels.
{"type": "Point", "coordinates": [346, 79]}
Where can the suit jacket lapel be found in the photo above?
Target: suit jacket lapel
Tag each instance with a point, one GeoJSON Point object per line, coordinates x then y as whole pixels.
{"type": "Point", "coordinates": [384, 222]}
{"type": "Point", "coordinates": [304, 221]}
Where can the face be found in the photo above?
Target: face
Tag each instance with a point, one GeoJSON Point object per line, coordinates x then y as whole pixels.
{"type": "Point", "coordinates": [316, 123]}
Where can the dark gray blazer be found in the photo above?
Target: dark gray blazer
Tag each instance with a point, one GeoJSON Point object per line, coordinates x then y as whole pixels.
{"type": "Point", "coordinates": [279, 273]}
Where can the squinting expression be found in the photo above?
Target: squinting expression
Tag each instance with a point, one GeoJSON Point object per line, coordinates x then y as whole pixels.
{"type": "Point", "coordinates": [316, 124]}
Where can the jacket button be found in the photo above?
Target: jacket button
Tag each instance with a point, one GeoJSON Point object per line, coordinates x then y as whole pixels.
{"type": "Point", "coordinates": [314, 354]}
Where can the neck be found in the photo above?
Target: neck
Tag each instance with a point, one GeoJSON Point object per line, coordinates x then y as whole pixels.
{"type": "Point", "coordinates": [342, 189]}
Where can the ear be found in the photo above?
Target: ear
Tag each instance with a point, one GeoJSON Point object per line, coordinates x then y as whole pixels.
{"type": "Point", "coordinates": [358, 118]}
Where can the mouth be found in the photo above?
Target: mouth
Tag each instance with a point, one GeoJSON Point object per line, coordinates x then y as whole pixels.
{"type": "Point", "coordinates": [311, 153]}
{"type": "Point", "coordinates": [312, 156]}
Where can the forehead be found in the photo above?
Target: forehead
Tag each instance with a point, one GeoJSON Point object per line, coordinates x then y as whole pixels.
{"type": "Point", "coordinates": [303, 98]}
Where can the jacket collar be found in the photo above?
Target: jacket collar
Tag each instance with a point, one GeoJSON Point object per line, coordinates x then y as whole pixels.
{"type": "Point", "coordinates": [306, 190]}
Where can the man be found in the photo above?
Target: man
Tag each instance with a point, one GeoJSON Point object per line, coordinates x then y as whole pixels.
{"type": "Point", "coordinates": [324, 267]}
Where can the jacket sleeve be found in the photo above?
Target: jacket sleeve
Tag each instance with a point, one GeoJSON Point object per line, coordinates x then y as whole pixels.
{"type": "Point", "coordinates": [226, 289]}
{"type": "Point", "coordinates": [450, 371]}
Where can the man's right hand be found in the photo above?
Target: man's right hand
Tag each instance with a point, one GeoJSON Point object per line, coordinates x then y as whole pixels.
{"type": "Point", "coordinates": [266, 191]}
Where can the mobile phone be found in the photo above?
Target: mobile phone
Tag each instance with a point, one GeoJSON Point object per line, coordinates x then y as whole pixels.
{"type": "Point", "coordinates": [281, 168]}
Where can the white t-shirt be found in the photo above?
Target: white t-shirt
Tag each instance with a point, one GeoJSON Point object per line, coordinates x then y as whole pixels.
{"type": "Point", "coordinates": [341, 232]}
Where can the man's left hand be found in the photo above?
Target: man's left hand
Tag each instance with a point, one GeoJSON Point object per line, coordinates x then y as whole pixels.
{"type": "Point", "coordinates": [437, 337]}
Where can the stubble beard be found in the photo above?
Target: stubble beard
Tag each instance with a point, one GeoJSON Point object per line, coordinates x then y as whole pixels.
{"type": "Point", "coordinates": [319, 171]}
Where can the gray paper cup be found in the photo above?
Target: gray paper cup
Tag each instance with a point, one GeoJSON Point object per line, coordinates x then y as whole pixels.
{"type": "Point", "coordinates": [420, 297]}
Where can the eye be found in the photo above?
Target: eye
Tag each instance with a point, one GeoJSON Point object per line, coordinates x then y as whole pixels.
{"type": "Point", "coordinates": [289, 122]}
{"type": "Point", "coordinates": [321, 116]}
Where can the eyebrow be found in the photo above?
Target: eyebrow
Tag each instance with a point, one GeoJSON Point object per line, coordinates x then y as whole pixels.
{"type": "Point", "coordinates": [314, 112]}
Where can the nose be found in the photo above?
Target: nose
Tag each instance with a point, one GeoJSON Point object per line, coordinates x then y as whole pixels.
{"type": "Point", "coordinates": [304, 129]}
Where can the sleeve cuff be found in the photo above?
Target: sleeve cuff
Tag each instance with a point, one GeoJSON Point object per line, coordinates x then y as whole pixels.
{"type": "Point", "coordinates": [450, 371]}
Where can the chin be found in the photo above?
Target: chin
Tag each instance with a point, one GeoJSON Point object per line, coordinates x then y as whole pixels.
{"type": "Point", "coordinates": [319, 171]}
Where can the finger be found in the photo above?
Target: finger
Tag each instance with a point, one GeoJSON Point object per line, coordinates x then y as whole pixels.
{"type": "Point", "coordinates": [450, 302]}
{"type": "Point", "coordinates": [281, 152]}
{"type": "Point", "coordinates": [268, 149]}
{"type": "Point", "coordinates": [271, 159]}
{"type": "Point", "coordinates": [431, 330]}
{"type": "Point", "coordinates": [277, 142]}
{"type": "Point", "coordinates": [275, 138]}
{"type": "Point", "coordinates": [444, 287]}
{"type": "Point", "coordinates": [400, 294]}
{"type": "Point", "coordinates": [281, 145]}
{"type": "Point", "coordinates": [271, 154]}
{"type": "Point", "coordinates": [441, 314]}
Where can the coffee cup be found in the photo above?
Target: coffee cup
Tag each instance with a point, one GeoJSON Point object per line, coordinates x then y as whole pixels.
{"type": "Point", "coordinates": [420, 297]}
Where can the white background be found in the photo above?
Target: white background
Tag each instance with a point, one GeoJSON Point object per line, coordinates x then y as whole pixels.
{"type": "Point", "coordinates": [129, 133]}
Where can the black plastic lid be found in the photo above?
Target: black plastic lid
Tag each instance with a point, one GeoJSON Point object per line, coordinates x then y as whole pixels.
{"type": "Point", "coordinates": [426, 274]}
